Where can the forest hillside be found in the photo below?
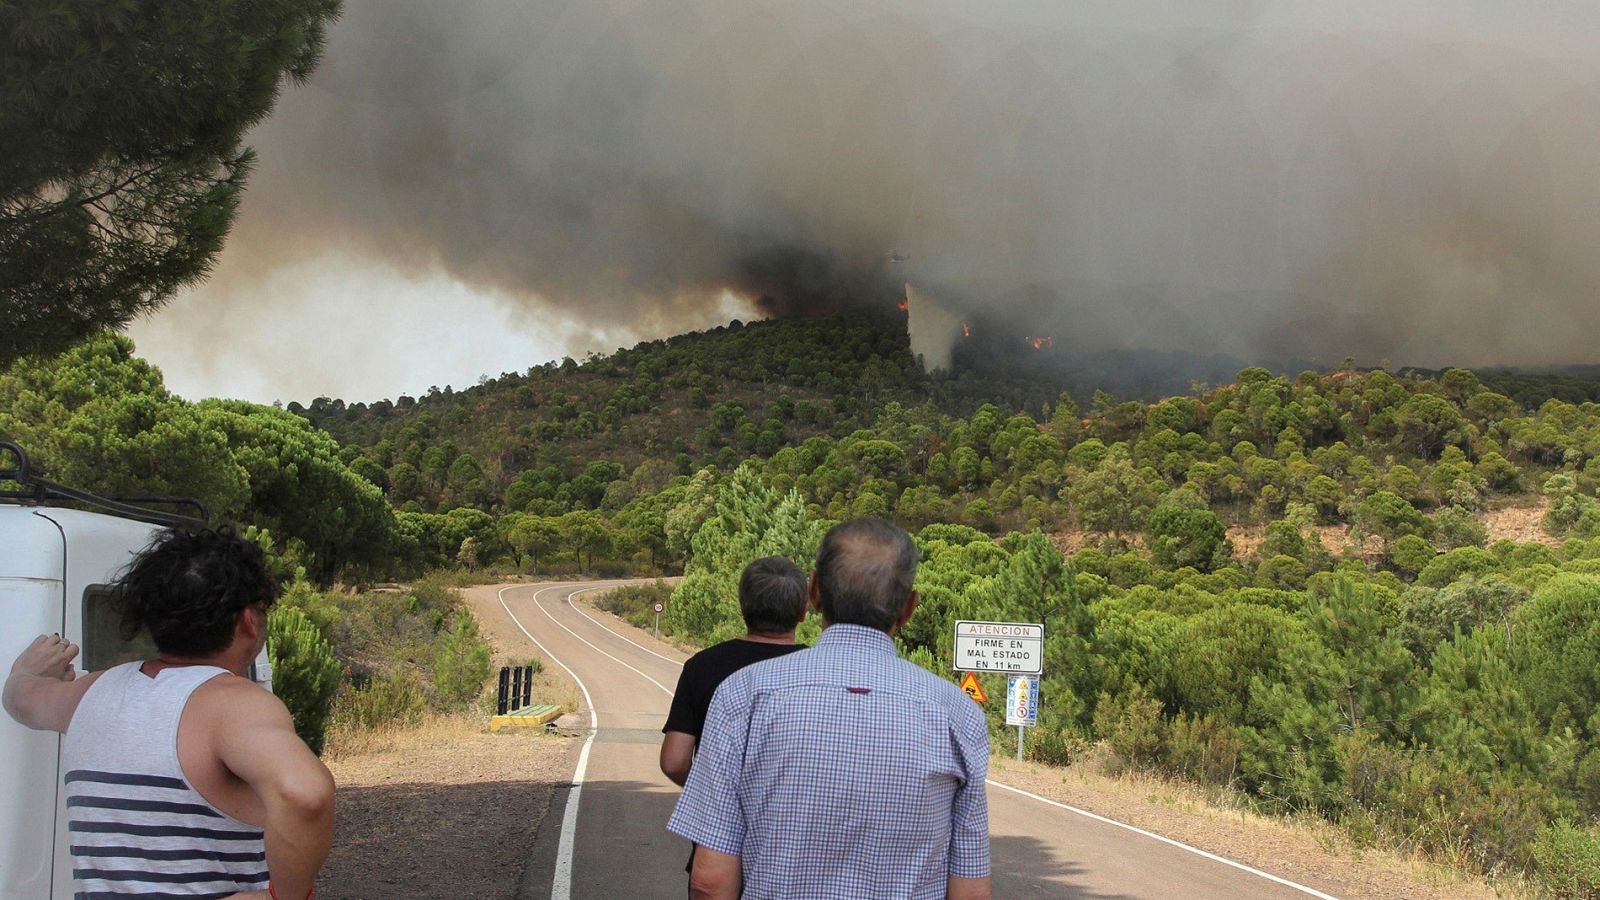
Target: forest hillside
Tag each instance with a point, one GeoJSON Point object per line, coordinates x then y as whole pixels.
{"type": "Point", "coordinates": [1370, 595]}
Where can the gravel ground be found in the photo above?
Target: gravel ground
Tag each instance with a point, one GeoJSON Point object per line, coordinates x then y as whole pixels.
{"type": "Point", "coordinates": [442, 810]}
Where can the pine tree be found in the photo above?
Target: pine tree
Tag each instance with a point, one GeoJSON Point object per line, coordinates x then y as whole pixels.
{"type": "Point", "coordinates": [121, 154]}
{"type": "Point", "coordinates": [305, 674]}
{"type": "Point", "coordinates": [460, 662]}
{"type": "Point", "coordinates": [748, 520]}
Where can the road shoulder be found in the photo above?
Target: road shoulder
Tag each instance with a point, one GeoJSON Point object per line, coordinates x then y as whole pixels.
{"type": "Point", "coordinates": [442, 810]}
{"type": "Point", "coordinates": [1311, 852]}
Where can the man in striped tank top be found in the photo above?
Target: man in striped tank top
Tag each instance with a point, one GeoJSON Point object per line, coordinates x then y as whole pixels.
{"type": "Point", "coordinates": [183, 777]}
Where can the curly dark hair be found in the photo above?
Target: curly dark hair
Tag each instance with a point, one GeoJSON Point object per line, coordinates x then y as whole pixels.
{"type": "Point", "coordinates": [189, 586]}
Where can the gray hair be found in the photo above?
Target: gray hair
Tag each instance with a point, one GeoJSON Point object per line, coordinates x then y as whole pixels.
{"type": "Point", "coordinates": [772, 595]}
{"type": "Point", "coordinates": [865, 569]}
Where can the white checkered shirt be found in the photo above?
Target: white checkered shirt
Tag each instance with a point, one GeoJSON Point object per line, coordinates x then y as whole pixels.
{"type": "Point", "coordinates": [841, 771]}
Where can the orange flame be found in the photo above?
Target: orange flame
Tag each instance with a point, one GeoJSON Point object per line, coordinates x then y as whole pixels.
{"type": "Point", "coordinates": [966, 330]}
{"type": "Point", "coordinates": [904, 305]}
{"type": "Point", "coordinates": [1040, 343]}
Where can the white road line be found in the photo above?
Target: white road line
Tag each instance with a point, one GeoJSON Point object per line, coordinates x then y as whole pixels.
{"type": "Point", "coordinates": [1072, 809]}
{"type": "Point", "coordinates": [561, 883]}
{"type": "Point", "coordinates": [618, 634]}
{"type": "Point", "coordinates": [1166, 840]}
{"type": "Point", "coordinates": [586, 641]}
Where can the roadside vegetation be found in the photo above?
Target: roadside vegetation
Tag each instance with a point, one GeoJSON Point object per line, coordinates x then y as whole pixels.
{"type": "Point", "coordinates": [347, 662]}
{"type": "Point", "coordinates": [635, 603]}
{"type": "Point", "coordinates": [1452, 716]}
{"type": "Point", "coordinates": [1413, 681]}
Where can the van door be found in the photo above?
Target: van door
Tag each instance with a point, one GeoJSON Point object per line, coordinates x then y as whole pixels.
{"type": "Point", "coordinates": [32, 602]}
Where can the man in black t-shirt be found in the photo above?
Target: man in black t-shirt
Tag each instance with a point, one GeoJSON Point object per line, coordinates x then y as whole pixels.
{"type": "Point", "coordinates": [772, 599]}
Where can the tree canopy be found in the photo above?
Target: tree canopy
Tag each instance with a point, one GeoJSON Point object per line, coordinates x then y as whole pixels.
{"type": "Point", "coordinates": [121, 148]}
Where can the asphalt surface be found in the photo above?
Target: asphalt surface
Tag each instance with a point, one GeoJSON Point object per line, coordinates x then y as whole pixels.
{"type": "Point", "coordinates": [616, 844]}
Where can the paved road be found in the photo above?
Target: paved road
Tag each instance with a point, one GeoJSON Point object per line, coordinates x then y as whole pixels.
{"type": "Point", "coordinates": [611, 841]}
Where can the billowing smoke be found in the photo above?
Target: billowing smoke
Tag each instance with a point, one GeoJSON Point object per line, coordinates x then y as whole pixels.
{"type": "Point", "coordinates": [1409, 180]}
{"type": "Point", "coordinates": [933, 329]}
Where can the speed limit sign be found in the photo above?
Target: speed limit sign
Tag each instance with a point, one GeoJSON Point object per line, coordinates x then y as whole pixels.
{"type": "Point", "coordinates": [659, 607]}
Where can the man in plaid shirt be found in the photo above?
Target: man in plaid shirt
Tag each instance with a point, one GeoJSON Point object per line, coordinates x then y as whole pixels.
{"type": "Point", "coordinates": [843, 770]}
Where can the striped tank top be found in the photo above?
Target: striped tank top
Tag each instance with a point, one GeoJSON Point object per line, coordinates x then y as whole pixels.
{"type": "Point", "coordinates": [137, 828]}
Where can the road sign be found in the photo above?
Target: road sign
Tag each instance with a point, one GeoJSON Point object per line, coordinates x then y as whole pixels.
{"type": "Point", "coordinates": [1022, 701]}
{"type": "Point", "coordinates": [973, 688]}
{"type": "Point", "coordinates": [1013, 647]}
{"type": "Point", "coordinates": [659, 607]}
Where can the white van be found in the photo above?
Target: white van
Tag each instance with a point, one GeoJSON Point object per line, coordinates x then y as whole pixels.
{"type": "Point", "coordinates": [56, 567]}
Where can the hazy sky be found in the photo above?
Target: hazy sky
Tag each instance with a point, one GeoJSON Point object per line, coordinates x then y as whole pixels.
{"type": "Point", "coordinates": [479, 186]}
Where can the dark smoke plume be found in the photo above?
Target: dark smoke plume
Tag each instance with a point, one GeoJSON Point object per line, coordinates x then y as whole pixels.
{"type": "Point", "coordinates": [1412, 180]}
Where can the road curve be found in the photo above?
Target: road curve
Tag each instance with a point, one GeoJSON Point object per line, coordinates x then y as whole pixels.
{"type": "Point", "coordinates": [608, 838]}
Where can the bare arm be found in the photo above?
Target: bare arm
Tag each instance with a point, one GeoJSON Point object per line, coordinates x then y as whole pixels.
{"type": "Point", "coordinates": [716, 876]}
{"type": "Point", "coordinates": [43, 689]}
{"type": "Point", "coordinates": [677, 753]}
{"type": "Point", "coordinates": [259, 745]}
{"type": "Point", "coordinates": [967, 888]}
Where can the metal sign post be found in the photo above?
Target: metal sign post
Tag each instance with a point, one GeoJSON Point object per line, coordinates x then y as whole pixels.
{"type": "Point", "coordinates": [658, 621]}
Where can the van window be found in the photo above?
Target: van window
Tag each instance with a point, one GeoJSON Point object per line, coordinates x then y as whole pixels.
{"type": "Point", "coordinates": [103, 646]}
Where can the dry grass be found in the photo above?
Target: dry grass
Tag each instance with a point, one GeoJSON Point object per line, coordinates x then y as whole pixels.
{"type": "Point", "coordinates": [1520, 520]}
{"type": "Point", "coordinates": [1247, 541]}
{"type": "Point", "coordinates": [1522, 523]}
{"type": "Point", "coordinates": [1304, 848]}
{"type": "Point", "coordinates": [433, 730]}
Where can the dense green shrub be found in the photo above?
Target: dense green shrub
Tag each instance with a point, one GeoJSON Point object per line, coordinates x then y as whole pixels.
{"type": "Point", "coordinates": [1204, 748]}
{"type": "Point", "coordinates": [1185, 537]}
{"type": "Point", "coordinates": [305, 674]}
{"type": "Point", "coordinates": [1411, 553]}
{"type": "Point", "coordinates": [1568, 858]}
{"type": "Point", "coordinates": [1431, 616]}
{"type": "Point", "coordinates": [460, 662]}
{"type": "Point", "coordinates": [1283, 573]}
{"type": "Point", "coordinates": [317, 606]}
{"type": "Point", "coordinates": [1557, 651]}
{"type": "Point", "coordinates": [1055, 746]}
{"type": "Point", "coordinates": [1129, 569]}
{"type": "Point", "coordinates": [1456, 526]}
{"type": "Point", "coordinates": [1460, 562]}
{"type": "Point", "coordinates": [1130, 724]}
{"type": "Point", "coordinates": [396, 698]}
{"type": "Point", "coordinates": [1390, 516]}
{"type": "Point", "coordinates": [635, 603]}
{"type": "Point", "coordinates": [433, 594]}
{"type": "Point", "coordinates": [1283, 539]}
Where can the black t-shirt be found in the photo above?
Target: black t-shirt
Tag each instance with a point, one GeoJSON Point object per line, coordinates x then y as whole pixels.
{"type": "Point", "coordinates": [698, 684]}
{"type": "Point", "coordinates": [707, 669]}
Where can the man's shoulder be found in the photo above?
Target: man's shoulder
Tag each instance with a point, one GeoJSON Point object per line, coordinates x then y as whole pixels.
{"type": "Point", "coordinates": [938, 694]}
{"type": "Point", "coordinates": [946, 692]}
{"type": "Point", "coordinates": [737, 654]}
{"type": "Point", "coordinates": [767, 673]}
{"type": "Point", "coordinates": [713, 652]}
{"type": "Point", "coordinates": [712, 658]}
{"type": "Point", "coordinates": [230, 696]}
